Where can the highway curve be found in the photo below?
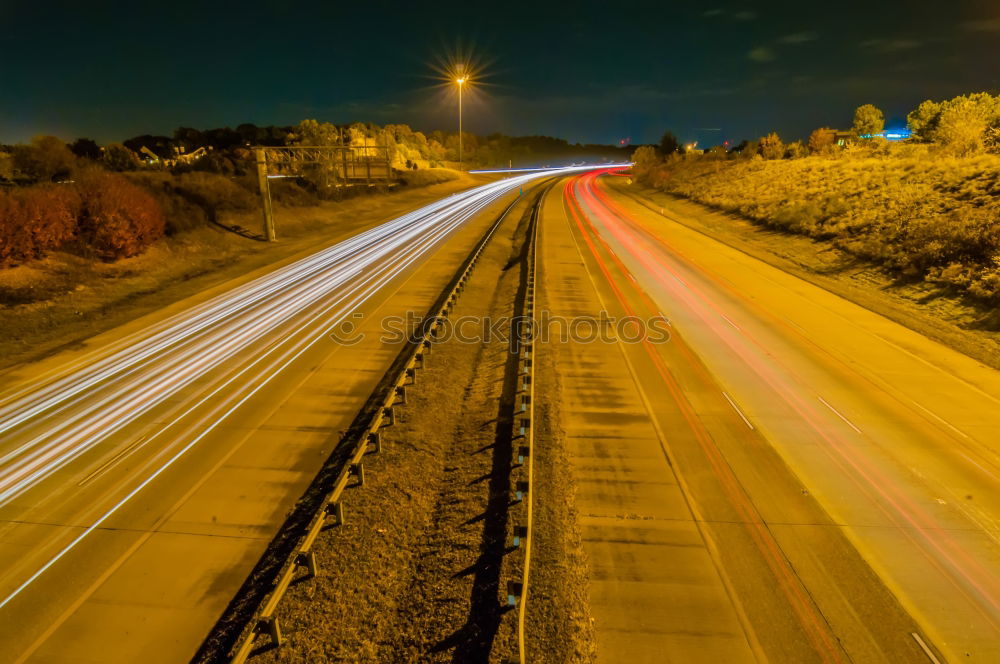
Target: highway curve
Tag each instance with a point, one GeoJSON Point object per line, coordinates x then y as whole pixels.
{"type": "Point", "coordinates": [790, 477]}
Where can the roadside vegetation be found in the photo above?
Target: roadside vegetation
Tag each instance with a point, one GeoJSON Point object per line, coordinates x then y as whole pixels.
{"type": "Point", "coordinates": [115, 201]}
{"type": "Point", "coordinates": [927, 209]}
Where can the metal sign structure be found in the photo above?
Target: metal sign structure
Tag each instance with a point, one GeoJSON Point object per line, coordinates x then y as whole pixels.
{"type": "Point", "coordinates": [343, 165]}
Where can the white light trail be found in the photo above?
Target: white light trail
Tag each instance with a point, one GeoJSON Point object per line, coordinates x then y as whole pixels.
{"type": "Point", "coordinates": [53, 422]}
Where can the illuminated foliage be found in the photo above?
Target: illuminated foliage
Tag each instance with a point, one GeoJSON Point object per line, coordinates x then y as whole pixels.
{"type": "Point", "coordinates": [822, 140]}
{"type": "Point", "coordinates": [868, 120]}
{"type": "Point", "coordinates": [771, 147]}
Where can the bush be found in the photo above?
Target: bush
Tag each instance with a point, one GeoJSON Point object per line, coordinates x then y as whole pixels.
{"type": "Point", "coordinates": [796, 150]}
{"type": "Point", "coordinates": [45, 159]}
{"type": "Point", "coordinates": [117, 157]}
{"type": "Point", "coordinates": [180, 213]}
{"type": "Point", "coordinates": [36, 220]}
{"type": "Point", "coordinates": [821, 140]}
{"type": "Point", "coordinates": [288, 191]}
{"type": "Point", "coordinates": [118, 218]}
{"type": "Point", "coordinates": [214, 191]}
{"type": "Point", "coordinates": [428, 176]}
{"type": "Point", "coordinates": [771, 147]}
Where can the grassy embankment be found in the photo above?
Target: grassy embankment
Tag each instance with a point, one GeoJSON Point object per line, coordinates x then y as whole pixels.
{"type": "Point", "coordinates": [72, 294]}
{"type": "Point", "coordinates": [913, 237]}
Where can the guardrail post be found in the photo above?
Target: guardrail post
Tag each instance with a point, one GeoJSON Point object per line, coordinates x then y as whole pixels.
{"type": "Point", "coordinates": [389, 414]}
{"type": "Point", "coordinates": [375, 440]}
{"type": "Point", "coordinates": [412, 375]}
{"type": "Point", "coordinates": [400, 395]}
{"type": "Point", "coordinates": [514, 589]}
{"type": "Point", "coordinates": [521, 490]}
{"type": "Point", "coordinates": [307, 559]}
{"type": "Point", "coordinates": [523, 452]}
{"type": "Point", "coordinates": [271, 627]}
{"type": "Point", "coordinates": [336, 510]}
{"type": "Point", "coordinates": [358, 470]}
{"type": "Point", "coordinates": [520, 533]}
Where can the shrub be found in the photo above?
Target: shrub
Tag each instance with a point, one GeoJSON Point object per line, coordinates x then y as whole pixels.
{"type": "Point", "coordinates": [214, 191]}
{"type": "Point", "coordinates": [118, 218]}
{"type": "Point", "coordinates": [796, 150]}
{"type": "Point", "coordinates": [821, 140]}
{"type": "Point", "coordinates": [429, 176]}
{"type": "Point", "coordinates": [36, 220]}
{"type": "Point", "coordinates": [117, 157]}
{"type": "Point", "coordinates": [288, 191]}
{"type": "Point", "coordinates": [46, 158]}
{"type": "Point", "coordinates": [771, 147]}
{"type": "Point", "coordinates": [644, 156]}
{"type": "Point", "coordinates": [180, 213]}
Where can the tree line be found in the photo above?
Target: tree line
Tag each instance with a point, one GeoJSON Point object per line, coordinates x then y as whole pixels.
{"type": "Point", "coordinates": [227, 151]}
{"type": "Point", "coordinates": [963, 126]}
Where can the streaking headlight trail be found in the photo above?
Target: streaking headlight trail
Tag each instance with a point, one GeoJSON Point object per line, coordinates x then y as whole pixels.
{"type": "Point", "coordinates": [259, 327]}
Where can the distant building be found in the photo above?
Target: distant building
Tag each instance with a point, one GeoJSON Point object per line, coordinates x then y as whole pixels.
{"type": "Point", "coordinates": [844, 137]}
{"type": "Point", "coordinates": [891, 134]}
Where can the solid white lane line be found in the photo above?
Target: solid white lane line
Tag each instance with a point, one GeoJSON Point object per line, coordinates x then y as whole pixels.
{"type": "Point", "coordinates": [939, 419]}
{"type": "Point", "coordinates": [738, 411]}
{"type": "Point", "coordinates": [923, 646]}
{"type": "Point", "coordinates": [839, 414]}
{"type": "Point", "coordinates": [430, 231]}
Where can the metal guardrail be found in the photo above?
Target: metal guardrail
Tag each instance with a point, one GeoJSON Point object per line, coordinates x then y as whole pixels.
{"type": "Point", "coordinates": [524, 437]}
{"type": "Point", "coordinates": [360, 441]}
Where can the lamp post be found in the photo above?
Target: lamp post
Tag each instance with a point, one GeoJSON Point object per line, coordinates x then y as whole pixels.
{"type": "Point", "coordinates": [461, 83]}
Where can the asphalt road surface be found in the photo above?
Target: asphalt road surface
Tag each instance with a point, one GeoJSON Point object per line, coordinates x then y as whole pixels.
{"type": "Point", "coordinates": [142, 475]}
{"type": "Point", "coordinates": [790, 477]}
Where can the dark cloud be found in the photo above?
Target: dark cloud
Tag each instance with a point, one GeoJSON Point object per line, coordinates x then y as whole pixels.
{"type": "Point", "coordinates": [799, 37]}
{"type": "Point", "coordinates": [762, 54]}
{"type": "Point", "coordinates": [892, 45]}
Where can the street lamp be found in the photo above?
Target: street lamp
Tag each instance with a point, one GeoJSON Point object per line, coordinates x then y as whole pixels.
{"type": "Point", "coordinates": [462, 78]}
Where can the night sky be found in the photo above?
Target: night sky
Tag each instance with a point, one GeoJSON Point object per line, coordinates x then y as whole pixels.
{"type": "Point", "coordinates": [587, 72]}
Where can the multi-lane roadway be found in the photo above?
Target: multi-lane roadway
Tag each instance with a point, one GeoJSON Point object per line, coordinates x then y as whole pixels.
{"type": "Point", "coordinates": [142, 475]}
{"type": "Point", "coordinates": [790, 477]}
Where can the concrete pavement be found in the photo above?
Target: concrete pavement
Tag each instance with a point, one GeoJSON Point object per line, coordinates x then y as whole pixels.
{"type": "Point", "coordinates": [801, 590]}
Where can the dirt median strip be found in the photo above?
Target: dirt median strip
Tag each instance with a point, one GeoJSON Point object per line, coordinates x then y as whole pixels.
{"type": "Point", "coordinates": [415, 572]}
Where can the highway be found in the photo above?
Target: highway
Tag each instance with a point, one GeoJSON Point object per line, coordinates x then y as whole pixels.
{"type": "Point", "coordinates": [790, 477]}
{"type": "Point", "coordinates": [142, 475]}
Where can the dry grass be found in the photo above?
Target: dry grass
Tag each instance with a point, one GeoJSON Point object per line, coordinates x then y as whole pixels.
{"type": "Point", "coordinates": [931, 310]}
{"type": "Point", "coordinates": [926, 217]}
{"type": "Point", "coordinates": [413, 575]}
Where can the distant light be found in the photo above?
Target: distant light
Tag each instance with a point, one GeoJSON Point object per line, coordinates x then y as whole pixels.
{"type": "Point", "coordinates": [545, 168]}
